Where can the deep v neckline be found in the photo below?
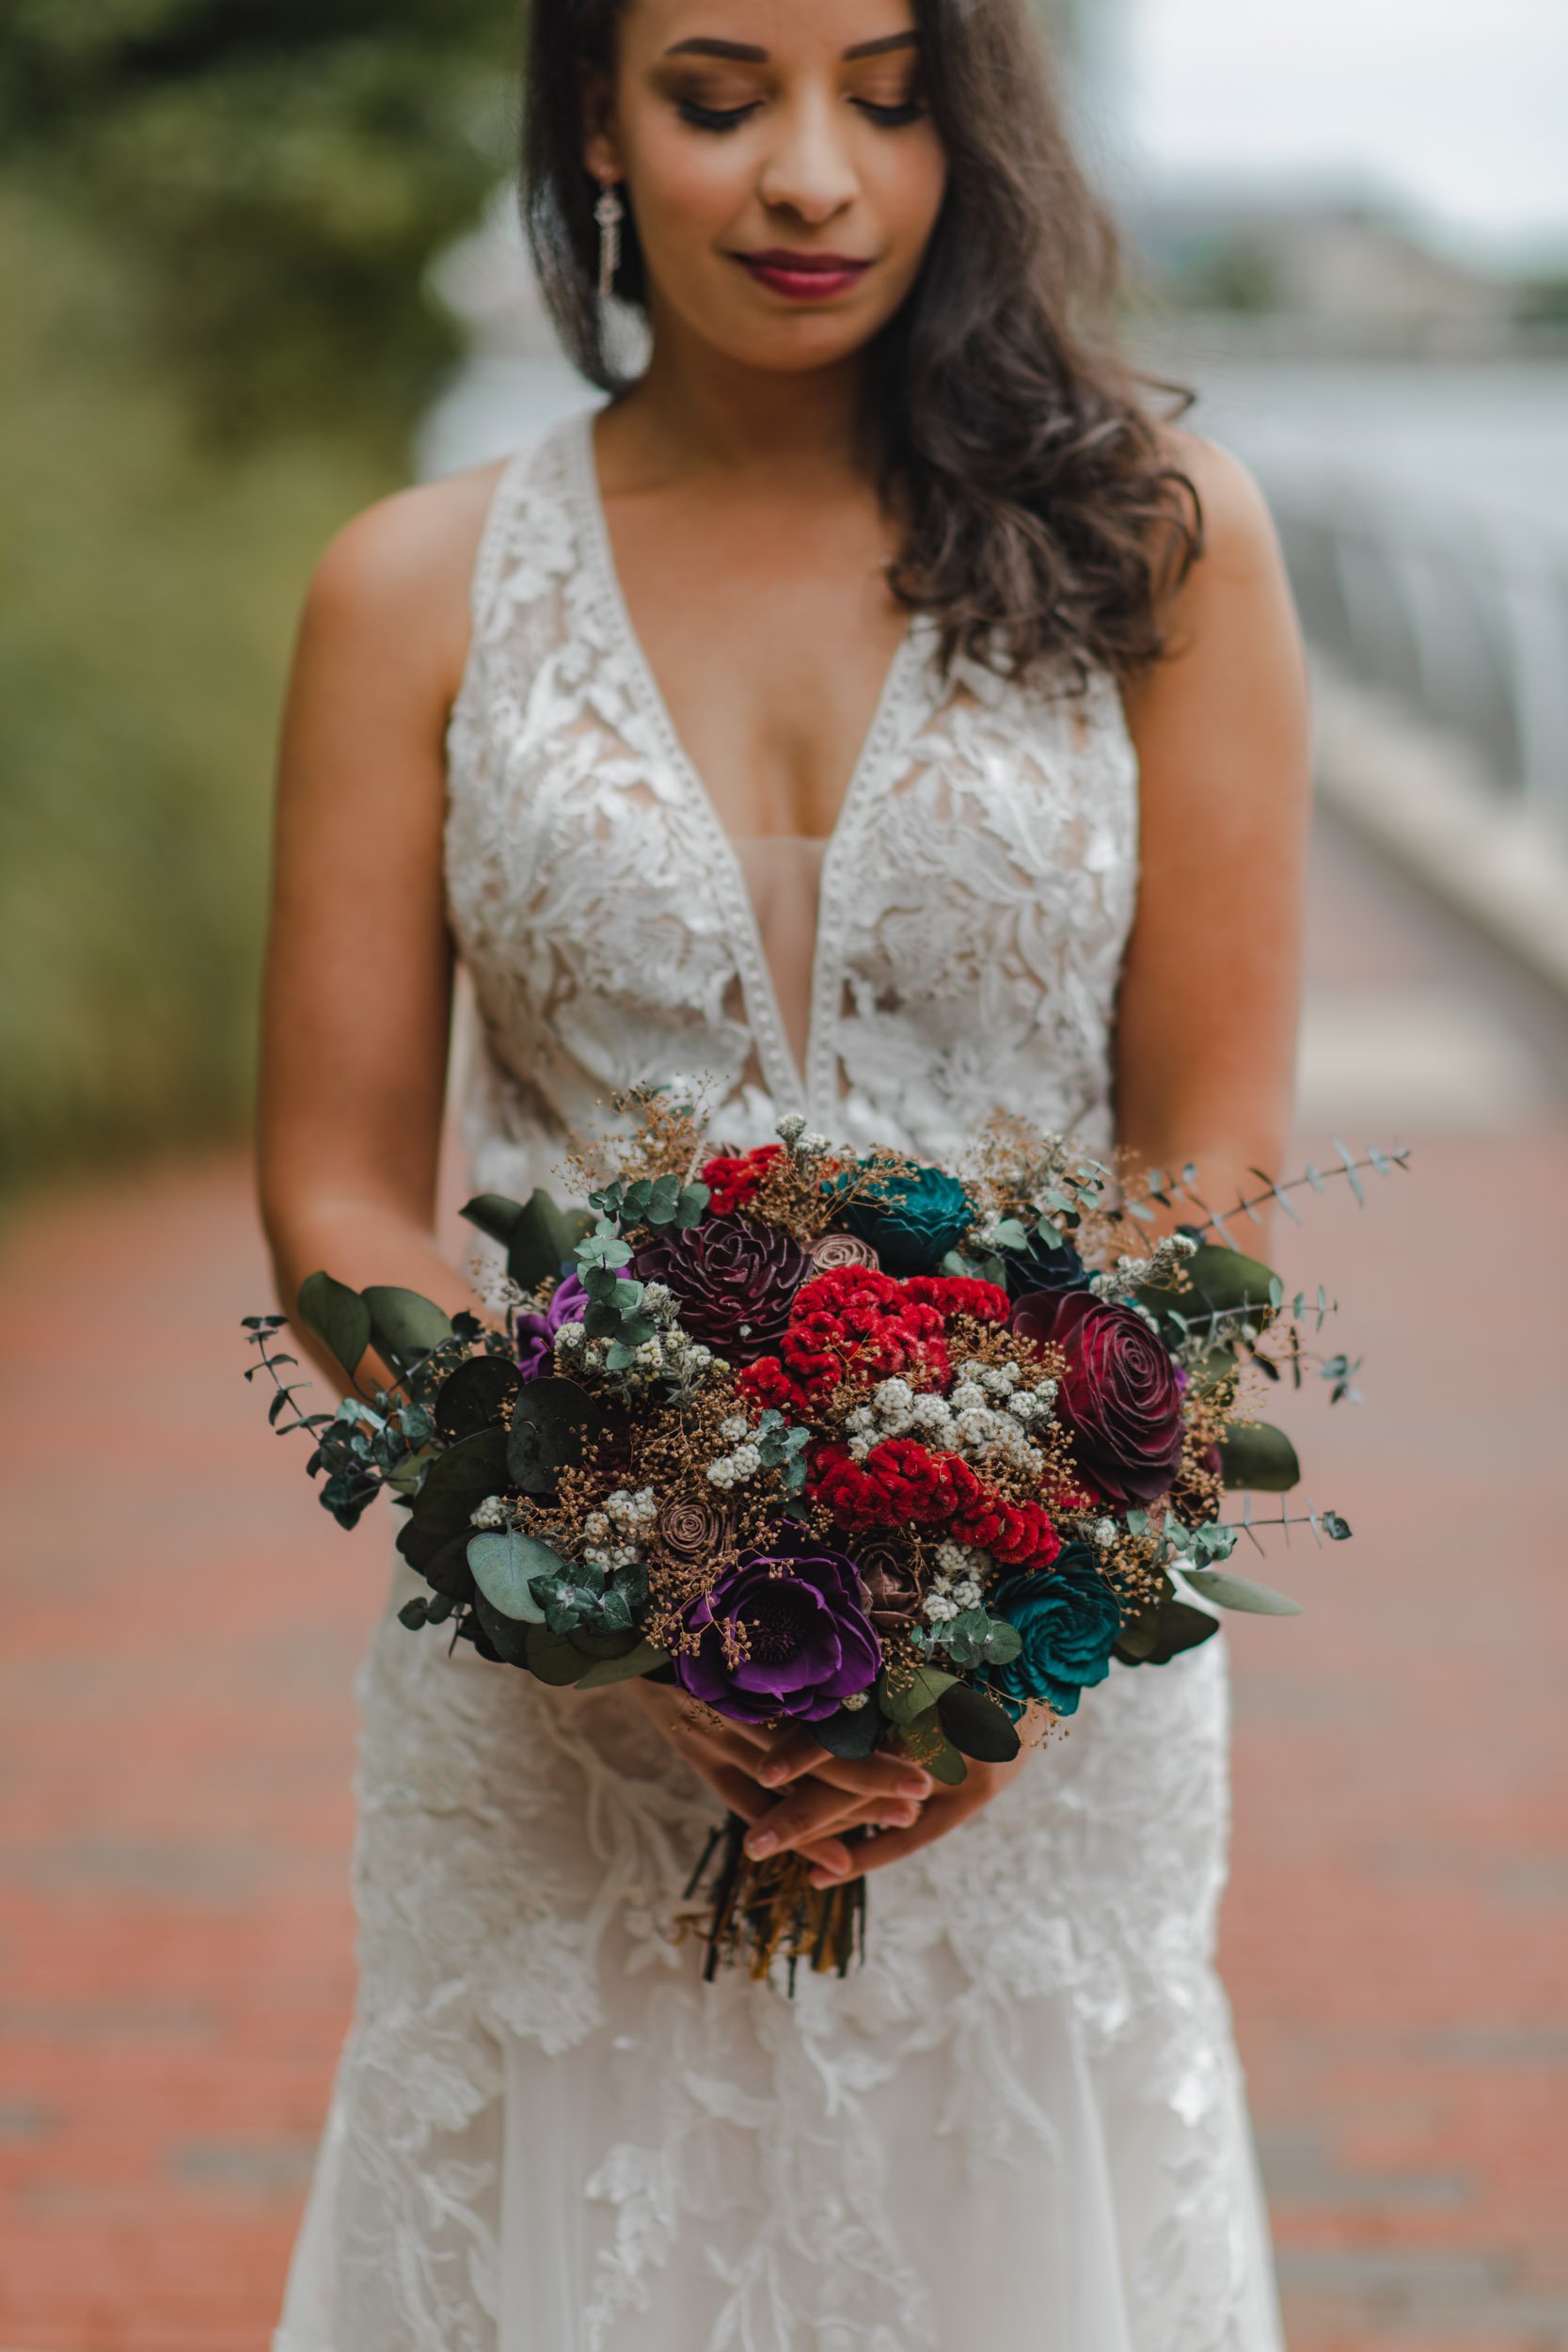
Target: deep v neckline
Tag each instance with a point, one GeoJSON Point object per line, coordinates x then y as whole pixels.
{"type": "Point", "coordinates": [787, 1083]}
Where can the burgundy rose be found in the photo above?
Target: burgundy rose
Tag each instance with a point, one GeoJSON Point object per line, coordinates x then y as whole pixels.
{"type": "Point", "coordinates": [534, 1333]}
{"type": "Point", "coordinates": [783, 1634]}
{"type": "Point", "coordinates": [735, 1282]}
{"type": "Point", "coordinates": [1120, 1401]}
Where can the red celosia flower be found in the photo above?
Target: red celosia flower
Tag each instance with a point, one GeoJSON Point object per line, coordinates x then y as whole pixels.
{"type": "Point", "coordinates": [733, 1180]}
{"type": "Point", "coordinates": [959, 1294]}
{"type": "Point", "coordinates": [899, 1483]}
{"type": "Point", "coordinates": [1021, 1534]}
{"type": "Point", "coordinates": [850, 1324]}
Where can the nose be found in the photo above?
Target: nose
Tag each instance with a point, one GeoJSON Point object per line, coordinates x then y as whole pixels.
{"type": "Point", "coordinates": [808, 171]}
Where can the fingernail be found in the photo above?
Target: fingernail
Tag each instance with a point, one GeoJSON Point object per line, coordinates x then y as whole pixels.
{"type": "Point", "coordinates": [900, 1817]}
{"type": "Point", "coordinates": [915, 1785]}
{"type": "Point", "coordinates": [826, 1874]}
{"type": "Point", "coordinates": [761, 1842]}
{"type": "Point", "coordinates": [771, 1774]}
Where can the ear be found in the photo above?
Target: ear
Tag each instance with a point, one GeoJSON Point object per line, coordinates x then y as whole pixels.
{"type": "Point", "coordinates": [601, 152]}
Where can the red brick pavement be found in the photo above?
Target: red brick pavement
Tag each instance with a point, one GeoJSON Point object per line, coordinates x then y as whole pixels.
{"type": "Point", "coordinates": [175, 1745]}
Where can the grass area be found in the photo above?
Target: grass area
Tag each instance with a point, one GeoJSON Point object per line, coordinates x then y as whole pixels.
{"type": "Point", "coordinates": [148, 593]}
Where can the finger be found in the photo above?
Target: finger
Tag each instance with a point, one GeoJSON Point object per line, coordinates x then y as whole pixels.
{"type": "Point", "coordinates": [881, 1775]}
{"type": "Point", "coordinates": [892, 1845]}
{"type": "Point", "coordinates": [815, 1810]}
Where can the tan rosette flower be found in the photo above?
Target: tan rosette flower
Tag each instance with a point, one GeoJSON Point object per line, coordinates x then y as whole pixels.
{"type": "Point", "coordinates": [830, 1251]}
{"type": "Point", "coordinates": [691, 1533]}
{"type": "Point", "coordinates": [891, 1588]}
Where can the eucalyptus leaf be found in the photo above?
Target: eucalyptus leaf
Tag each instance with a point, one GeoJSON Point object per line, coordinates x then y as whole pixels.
{"type": "Point", "coordinates": [338, 1316]}
{"type": "Point", "coordinates": [1257, 1456]}
{"type": "Point", "coordinates": [913, 1699]}
{"type": "Point", "coordinates": [1239, 1592]}
{"type": "Point", "coordinates": [404, 1325]}
{"type": "Point", "coordinates": [503, 1562]}
{"type": "Point", "coordinates": [692, 1206]}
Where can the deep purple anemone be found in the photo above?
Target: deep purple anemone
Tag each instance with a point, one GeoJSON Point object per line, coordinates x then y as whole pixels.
{"type": "Point", "coordinates": [535, 1333]}
{"type": "Point", "coordinates": [807, 1640]}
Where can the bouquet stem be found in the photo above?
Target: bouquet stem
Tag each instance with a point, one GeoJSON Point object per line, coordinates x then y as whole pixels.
{"type": "Point", "coordinates": [764, 1910]}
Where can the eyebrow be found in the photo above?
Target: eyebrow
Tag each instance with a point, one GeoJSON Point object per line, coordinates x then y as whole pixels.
{"type": "Point", "coordinates": [747, 52]}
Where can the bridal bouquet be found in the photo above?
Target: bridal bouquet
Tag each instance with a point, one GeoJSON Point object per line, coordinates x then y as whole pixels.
{"type": "Point", "coordinates": [891, 1451]}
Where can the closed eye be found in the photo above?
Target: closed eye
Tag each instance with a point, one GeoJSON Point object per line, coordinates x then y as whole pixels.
{"type": "Point", "coordinates": [730, 118]}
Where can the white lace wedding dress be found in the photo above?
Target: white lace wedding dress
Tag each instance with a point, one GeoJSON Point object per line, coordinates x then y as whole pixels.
{"type": "Point", "coordinates": [1022, 2122]}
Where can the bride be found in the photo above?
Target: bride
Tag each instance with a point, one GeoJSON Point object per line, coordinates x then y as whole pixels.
{"type": "Point", "coordinates": [876, 711]}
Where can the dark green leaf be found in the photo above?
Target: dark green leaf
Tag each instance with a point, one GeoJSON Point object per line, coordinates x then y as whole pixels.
{"type": "Point", "coordinates": [1260, 1458]}
{"type": "Point", "coordinates": [852, 1733]}
{"type": "Point", "coordinates": [554, 1424]}
{"type": "Point", "coordinates": [338, 1316]}
{"type": "Point", "coordinates": [458, 1479]}
{"type": "Point", "coordinates": [542, 1239]}
{"type": "Point", "coordinates": [1222, 1282]}
{"type": "Point", "coordinates": [472, 1397]}
{"type": "Point", "coordinates": [493, 1214]}
{"type": "Point", "coordinates": [605, 1644]}
{"type": "Point", "coordinates": [1157, 1635]}
{"type": "Point", "coordinates": [645, 1659]}
{"type": "Point", "coordinates": [977, 1726]}
{"type": "Point", "coordinates": [404, 1325]}
{"type": "Point", "coordinates": [414, 1612]}
{"type": "Point", "coordinates": [507, 1638]}
{"type": "Point", "coordinates": [554, 1658]}
{"type": "Point", "coordinates": [1335, 1527]}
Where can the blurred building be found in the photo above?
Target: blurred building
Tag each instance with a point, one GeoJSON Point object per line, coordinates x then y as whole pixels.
{"type": "Point", "coordinates": [1341, 273]}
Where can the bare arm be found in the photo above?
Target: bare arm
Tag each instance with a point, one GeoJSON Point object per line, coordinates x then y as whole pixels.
{"type": "Point", "coordinates": [359, 979]}
{"type": "Point", "coordinates": [1205, 1048]}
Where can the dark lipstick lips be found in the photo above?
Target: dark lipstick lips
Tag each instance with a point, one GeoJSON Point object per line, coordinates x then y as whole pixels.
{"type": "Point", "coordinates": [804, 276]}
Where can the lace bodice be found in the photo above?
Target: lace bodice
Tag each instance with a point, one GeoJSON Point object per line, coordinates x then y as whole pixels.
{"type": "Point", "coordinates": [1022, 2115]}
{"type": "Point", "coordinates": [974, 897]}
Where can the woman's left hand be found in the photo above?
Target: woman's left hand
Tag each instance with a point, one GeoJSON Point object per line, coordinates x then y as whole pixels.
{"type": "Point", "coordinates": [796, 1820]}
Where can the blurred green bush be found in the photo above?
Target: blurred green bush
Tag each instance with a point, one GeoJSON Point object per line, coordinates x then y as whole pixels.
{"type": "Point", "coordinates": [214, 220]}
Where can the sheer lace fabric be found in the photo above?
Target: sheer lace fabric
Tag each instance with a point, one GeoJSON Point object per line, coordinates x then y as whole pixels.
{"type": "Point", "coordinates": [1023, 2116]}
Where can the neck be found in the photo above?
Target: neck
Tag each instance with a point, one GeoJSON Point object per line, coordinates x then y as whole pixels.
{"type": "Point", "coordinates": [693, 410]}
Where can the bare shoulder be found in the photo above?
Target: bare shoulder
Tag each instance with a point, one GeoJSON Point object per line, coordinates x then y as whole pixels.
{"type": "Point", "coordinates": [397, 578]}
{"type": "Point", "coordinates": [1238, 529]}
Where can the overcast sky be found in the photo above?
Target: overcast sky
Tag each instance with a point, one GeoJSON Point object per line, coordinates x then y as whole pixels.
{"type": "Point", "coordinates": [1460, 105]}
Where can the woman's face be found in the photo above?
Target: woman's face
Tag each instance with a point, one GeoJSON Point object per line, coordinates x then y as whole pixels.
{"type": "Point", "coordinates": [781, 168]}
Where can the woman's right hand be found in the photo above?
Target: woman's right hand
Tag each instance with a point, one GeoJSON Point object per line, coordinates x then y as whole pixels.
{"type": "Point", "coordinates": [748, 1765]}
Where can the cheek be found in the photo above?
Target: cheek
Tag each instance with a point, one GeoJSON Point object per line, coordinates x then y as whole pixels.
{"type": "Point", "coordinates": [909, 175]}
{"type": "Point", "coordinates": [689, 192]}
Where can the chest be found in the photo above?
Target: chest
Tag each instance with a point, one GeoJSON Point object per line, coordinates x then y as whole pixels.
{"type": "Point", "coordinates": [771, 638]}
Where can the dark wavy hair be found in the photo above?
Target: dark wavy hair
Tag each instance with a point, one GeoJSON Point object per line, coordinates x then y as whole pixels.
{"type": "Point", "coordinates": [1044, 517]}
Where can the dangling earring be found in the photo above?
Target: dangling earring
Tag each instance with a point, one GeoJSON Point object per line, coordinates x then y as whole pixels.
{"type": "Point", "coordinates": [608, 212]}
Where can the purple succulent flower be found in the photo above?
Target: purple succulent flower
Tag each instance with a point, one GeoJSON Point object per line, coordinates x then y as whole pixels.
{"type": "Point", "coordinates": [535, 1333]}
{"type": "Point", "coordinates": [808, 1643]}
